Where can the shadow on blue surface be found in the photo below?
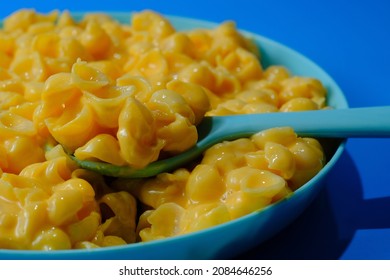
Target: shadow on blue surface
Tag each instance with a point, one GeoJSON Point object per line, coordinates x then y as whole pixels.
{"type": "Point", "coordinates": [326, 228]}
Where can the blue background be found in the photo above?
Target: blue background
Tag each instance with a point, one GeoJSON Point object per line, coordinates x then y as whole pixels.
{"type": "Point", "coordinates": [350, 40]}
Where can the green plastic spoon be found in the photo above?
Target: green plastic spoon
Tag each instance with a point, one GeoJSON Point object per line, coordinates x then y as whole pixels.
{"type": "Point", "coordinates": [338, 123]}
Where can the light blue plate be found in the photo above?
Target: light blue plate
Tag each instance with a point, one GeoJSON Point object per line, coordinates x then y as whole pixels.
{"type": "Point", "coordinates": [233, 238]}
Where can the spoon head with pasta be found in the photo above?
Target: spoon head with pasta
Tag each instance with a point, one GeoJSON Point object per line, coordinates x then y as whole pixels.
{"type": "Point", "coordinates": [340, 123]}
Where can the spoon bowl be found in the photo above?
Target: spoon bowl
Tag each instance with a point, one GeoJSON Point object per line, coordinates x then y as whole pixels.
{"type": "Point", "coordinates": [340, 123]}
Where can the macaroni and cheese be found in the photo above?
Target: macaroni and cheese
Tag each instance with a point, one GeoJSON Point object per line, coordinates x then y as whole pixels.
{"type": "Point", "coordinates": [129, 94]}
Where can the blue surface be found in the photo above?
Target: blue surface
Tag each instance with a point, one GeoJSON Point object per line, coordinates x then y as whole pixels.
{"type": "Point", "coordinates": [350, 219]}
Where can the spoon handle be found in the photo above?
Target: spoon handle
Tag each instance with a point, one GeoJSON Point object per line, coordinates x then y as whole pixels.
{"type": "Point", "coordinates": [341, 123]}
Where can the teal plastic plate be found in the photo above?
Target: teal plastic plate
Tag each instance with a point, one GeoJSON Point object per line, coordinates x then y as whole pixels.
{"type": "Point", "coordinates": [233, 238]}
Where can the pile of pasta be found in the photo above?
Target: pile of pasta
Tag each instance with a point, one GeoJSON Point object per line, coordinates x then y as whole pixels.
{"type": "Point", "coordinates": [129, 94]}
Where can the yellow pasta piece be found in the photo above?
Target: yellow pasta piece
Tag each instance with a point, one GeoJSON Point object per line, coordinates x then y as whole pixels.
{"type": "Point", "coordinates": [227, 156]}
{"type": "Point", "coordinates": [10, 99]}
{"type": "Point", "coordinates": [243, 64]}
{"type": "Point", "coordinates": [95, 40]}
{"type": "Point", "coordinates": [12, 124]}
{"type": "Point", "coordinates": [179, 135]}
{"type": "Point", "coordinates": [276, 73]}
{"type": "Point", "coordinates": [65, 19]}
{"type": "Point", "coordinates": [204, 215]}
{"type": "Point", "coordinates": [51, 239]}
{"type": "Point", "coordinates": [58, 94]}
{"type": "Point", "coordinates": [204, 184]}
{"type": "Point", "coordinates": [122, 223]}
{"type": "Point", "coordinates": [7, 44]}
{"type": "Point", "coordinates": [71, 49]}
{"type": "Point", "coordinates": [299, 104]}
{"type": "Point", "coordinates": [23, 19]}
{"type": "Point", "coordinates": [151, 64]}
{"type": "Point", "coordinates": [178, 42]}
{"type": "Point", "coordinates": [73, 128]}
{"type": "Point", "coordinates": [280, 159]}
{"type": "Point", "coordinates": [29, 68]}
{"type": "Point", "coordinates": [167, 103]}
{"type": "Point", "coordinates": [33, 91]}
{"type": "Point", "coordinates": [137, 134]}
{"type": "Point", "coordinates": [194, 95]}
{"type": "Point", "coordinates": [164, 188]}
{"type": "Point", "coordinates": [88, 78]}
{"type": "Point", "coordinates": [21, 151]}
{"type": "Point", "coordinates": [164, 222]}
{"type": "Point", "coordinates": [302, 87]}
{"type": "Point", "coordinates": [142, 87]}
{"type": "Point", "coordinates": [103, 147]}
{"type": "Point", "coordinates": [63, 205]}
{"type": "Point", "coordinates": [50, 172]}
{"type": "Point", "coordinates": [5, 60]}
{"type": "Point", "coordinates": [84, 229]}
{"type": "Point", "coordinates": [109, 68]}
{"type": "Point", "coordinates": [198, 73]}
{"type": "Point", "coordinates": [153, 23]}
{"type": "Point", "coordinates": [31, 217]}
{"type": "Point", "coordinates": [280, 135]}
{"type": "Point", "coordinates": [112, 240]}
{"type": "Point", "coordinates": [107, 108]}
{"type": "Point", "coordinates": [309, 160]}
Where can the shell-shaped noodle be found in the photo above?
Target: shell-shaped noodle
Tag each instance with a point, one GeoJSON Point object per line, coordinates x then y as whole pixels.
{"type": "Point", "coordinates": [281, 135]}
{"type": "Point", "coordinates": [167, 103]}
{"type": "Point", "coordinates": [137, 134]}
{"type": "Point", "coordinates": [178, 43]}
{"type": "Point", "coordinates": [84, 229]}
{"type": "Point", "coordinates": [294, 87]}
{"type": "Point", "coordinates": [164, 222]}
{"type": "Point", "coordinates": [12, 124]}
{"type": "Point", "coordinates": [124, 207]}
{"type": "Point", "coordinates": [194, 95]}
{"type": "Point", "coordinates": [198, 73]}
{"type": "Point", "coordinates": [88, 78]}
{"type": "Point", "coordinates": [280, 159]}
{"type": "Point", "coordinates": [47, 44]}
{"type": "Point", "coordinates": [179, 135]}
{"type": "Point", "coordinates": [24, 18]}
{"type": "Point", "coordinates": [276, 73]}
{"type": "Point", "coordinates": [59, 94]}
{"type": "Point", "coordinates": [63, 206]}
{"type": "Point", "coordinates": [107, 108]}
{"type": "Point", "coordinates": [204, 215]}
{"type": "Point", "coordinates": [95, 40]}
{"type": "Point", "coordinates": [51, 239]}
{"type": "Point", "coordinates": [50, 172]}
{"type": "Point", "coordinates": [103, 147]}
{"type": "Point", "coordinates": [164, 188]}
{"type": "Point", "coordinates": [251, 96]}
{"type": "Point", "coordinates": [299, 104]}
{"type": "Point", "coordinates": [73, 128]}
{"type": "Point", "coordinates": [29, 68]}
{"type": "Point", "coordinates": [10, 99]}
{"type": "Point", "coordinates": [205, 184]}
{"type": "Point", "coordinates": [143, 89]}
{"type": "Point", "coordinates": [243, 64]}
{"type": "Point", "coordinates": [153, 23]}
{"type": "Point", "coordinates": [151, 63]}
{"type": "Point", "coordinates": [31, 217]}
{"type": "Point", "coordinates": [21, 152]}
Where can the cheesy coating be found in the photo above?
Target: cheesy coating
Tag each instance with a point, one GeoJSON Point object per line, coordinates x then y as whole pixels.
{"type": "Point", "coordinates": [129, 94]}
